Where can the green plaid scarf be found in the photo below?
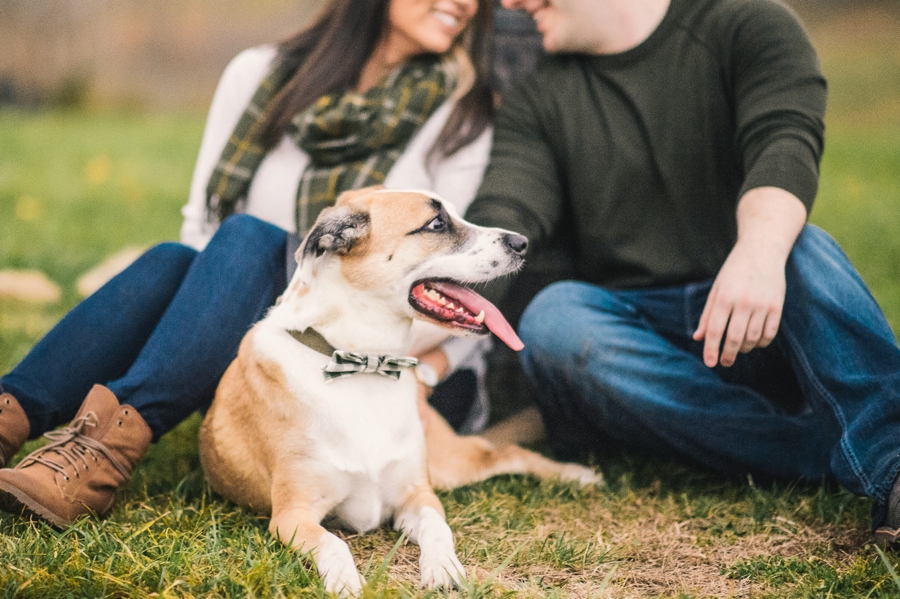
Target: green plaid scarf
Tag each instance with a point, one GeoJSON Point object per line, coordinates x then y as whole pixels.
{"type": "Point", "coordinates": [352, 139]}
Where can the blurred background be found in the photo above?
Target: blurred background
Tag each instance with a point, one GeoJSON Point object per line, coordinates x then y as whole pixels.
{"type": "Point", "coordinates": [168, 54]}
{"type": "Point", "coordinates": [160, 55]}
{"type": "Point", "coordinates": [102, 105]}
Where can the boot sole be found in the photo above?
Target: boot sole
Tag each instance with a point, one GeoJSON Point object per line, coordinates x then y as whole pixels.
{"type": "Point", "coordinates": [14, 501]}
{"type": "Point", "coordinates": [886, 537]}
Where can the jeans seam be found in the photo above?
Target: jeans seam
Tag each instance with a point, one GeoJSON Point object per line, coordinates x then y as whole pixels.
{"type": "Point", "coordinates": [823, 392]}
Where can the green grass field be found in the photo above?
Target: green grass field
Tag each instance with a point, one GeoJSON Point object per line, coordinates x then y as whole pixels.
{"type": "Point", "coordinates": [76, 187]}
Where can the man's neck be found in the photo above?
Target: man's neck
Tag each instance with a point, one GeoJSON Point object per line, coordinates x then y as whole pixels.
{"type": "Point", "coordinates": [628, 23]}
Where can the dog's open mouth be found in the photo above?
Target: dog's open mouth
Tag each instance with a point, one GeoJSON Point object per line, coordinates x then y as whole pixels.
{"type": "Point", "coordinates": [454, 305]}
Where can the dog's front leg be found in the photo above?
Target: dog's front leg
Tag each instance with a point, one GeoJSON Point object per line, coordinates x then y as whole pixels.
{"type": "Point", "coordinates": [300, 530]}
{"type": "Point", "coordinates": [421, 517]}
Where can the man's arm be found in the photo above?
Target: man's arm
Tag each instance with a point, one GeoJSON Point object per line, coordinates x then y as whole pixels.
{"type": "Point", "coordinates": [779, 107]}
{"type": "Point", "coordinates": [747, 297]}
{"type": "Point", "coordinates": [521, 190]}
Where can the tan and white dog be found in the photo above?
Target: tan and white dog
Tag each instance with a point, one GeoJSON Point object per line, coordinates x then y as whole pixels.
{"type": "Point", "coordinates": [283, 438]}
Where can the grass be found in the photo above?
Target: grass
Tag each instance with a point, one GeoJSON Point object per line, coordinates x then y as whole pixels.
{"type": "Point", "coordinates": [76, 187]}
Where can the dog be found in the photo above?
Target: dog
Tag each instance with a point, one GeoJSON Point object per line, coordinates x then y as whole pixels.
{"type": "Point", "coordinates": [288, 437]}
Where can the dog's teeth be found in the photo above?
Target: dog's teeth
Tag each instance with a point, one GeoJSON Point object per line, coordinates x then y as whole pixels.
{"type": "Point", "coordinates": [444, 302]}
{"type": "Point", "coordinates": [480, 318]}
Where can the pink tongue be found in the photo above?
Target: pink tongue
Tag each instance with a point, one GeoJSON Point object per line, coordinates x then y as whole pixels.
{"type": "Point", "coordinates": [493, 319]}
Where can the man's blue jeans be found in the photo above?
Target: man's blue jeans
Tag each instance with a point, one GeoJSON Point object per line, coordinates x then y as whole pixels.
{"type": "Point", "coordinates": [160, 334]}
{"type": "Point", "coordinates": [821, 402]}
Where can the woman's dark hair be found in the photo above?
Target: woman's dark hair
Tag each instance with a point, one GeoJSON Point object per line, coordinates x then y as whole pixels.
{"type": "Point", "coordinates": [329, 56]}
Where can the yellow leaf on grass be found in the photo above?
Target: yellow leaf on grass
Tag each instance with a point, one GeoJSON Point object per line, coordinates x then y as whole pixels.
{"type": "Point", "coordinates": [28, 286]}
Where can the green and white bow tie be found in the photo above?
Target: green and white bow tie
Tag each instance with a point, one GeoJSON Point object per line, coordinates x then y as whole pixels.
{"type": "Point", "coordinates": [345, 363]}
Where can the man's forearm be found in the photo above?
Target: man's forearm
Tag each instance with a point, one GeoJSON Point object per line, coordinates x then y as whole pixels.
{"type": "Point", "coordinates": [769, 220]}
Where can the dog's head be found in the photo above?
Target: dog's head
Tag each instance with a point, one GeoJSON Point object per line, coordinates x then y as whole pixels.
{"type": "Point", "coordinates": [411, 251]}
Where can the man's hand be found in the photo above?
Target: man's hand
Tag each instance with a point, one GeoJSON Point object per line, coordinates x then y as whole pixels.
{"type": "Point", "coordinates": [746, 300]}
{"type": "Point", "coordinates": [746, 297]}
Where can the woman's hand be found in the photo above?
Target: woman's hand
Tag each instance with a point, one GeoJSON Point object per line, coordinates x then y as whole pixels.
{"type": "Point", "coordinates": [437, 359]}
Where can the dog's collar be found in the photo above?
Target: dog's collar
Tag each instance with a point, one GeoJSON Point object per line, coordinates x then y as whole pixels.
{"type": "Point", "coordinates": [344, 363]}
{"type": "Point", "coordinates": [313, 339]}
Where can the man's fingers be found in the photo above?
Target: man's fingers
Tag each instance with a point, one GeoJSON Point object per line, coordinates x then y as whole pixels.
{"type": "Point", "coordinates": [715, 329]}
{"type": "Point", "coordinates": [734, 339]}
{"type": "Point", "coordinates": [770, 329]}
{"type": "Point", "coordinates": [754, 336]}
{"type": "Point", "coordinates": [729, 326]}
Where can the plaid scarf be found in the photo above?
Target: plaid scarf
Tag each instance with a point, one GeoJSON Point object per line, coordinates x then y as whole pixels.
{"type": "Point", "coordinates": [352, 139]}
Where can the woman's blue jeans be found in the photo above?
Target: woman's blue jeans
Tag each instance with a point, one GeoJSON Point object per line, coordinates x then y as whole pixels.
{"type": "Point", "coordinates": [821, 402]}
{"type": "Point", "coordinates": [160, 334]}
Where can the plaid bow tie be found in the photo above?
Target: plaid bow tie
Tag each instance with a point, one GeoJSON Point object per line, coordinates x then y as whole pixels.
{"type": "Point", "coordinates": [345, 363]}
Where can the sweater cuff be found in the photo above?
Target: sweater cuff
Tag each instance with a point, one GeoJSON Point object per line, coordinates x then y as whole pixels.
{"type": "Point", "coordinates": [783, 166]}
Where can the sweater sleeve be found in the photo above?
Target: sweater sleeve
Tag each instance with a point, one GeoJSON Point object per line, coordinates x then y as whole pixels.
{"type": "Point", "coordinates": [521, 190]}
{"type": "Point", "coordinates": [236, 87]}
{"type": "Point", "coordinates": [780, 97]}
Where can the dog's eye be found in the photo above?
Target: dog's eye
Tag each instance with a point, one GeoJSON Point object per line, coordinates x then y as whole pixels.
{"type": "Point", "coordinates": [436, 224]}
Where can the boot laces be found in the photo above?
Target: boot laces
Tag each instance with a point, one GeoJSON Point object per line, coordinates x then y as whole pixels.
{"type": "Point", "coordinates": [75, 448]}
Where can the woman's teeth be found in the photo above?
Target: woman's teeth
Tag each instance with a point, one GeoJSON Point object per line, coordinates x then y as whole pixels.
{"type": "Point", "coordinates": [446, 19]}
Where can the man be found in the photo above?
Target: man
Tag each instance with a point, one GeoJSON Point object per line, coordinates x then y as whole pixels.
{"type": "Point", "coordinates": [675, 145]}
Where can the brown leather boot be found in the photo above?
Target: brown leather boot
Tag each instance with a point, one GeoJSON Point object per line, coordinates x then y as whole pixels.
{"type": "Point", "coordinates": [14, 428]}
{"type": "Point", "coordinates": [78, 472]}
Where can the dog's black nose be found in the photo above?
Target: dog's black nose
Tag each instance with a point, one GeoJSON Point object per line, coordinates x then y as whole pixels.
{"type": "Point", "coordinates": [515, 242]}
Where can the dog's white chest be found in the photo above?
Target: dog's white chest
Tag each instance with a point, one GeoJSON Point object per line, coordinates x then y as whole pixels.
{"type": "Point", "coordinates": [367, 438]}
{"type": "Point", "coordinates": [364, 433]}
{"type": "Point", "coordinates": [369, 503]}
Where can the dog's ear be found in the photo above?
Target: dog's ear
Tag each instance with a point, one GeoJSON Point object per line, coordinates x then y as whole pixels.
{"type": "Point", "coordinates": [355, 193]}
{"type": "Point", "coordinates": [336, 231]}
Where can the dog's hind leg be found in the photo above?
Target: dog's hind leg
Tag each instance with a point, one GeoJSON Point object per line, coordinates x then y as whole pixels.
{"type": "Point", "coordinates": [295, 522]}
{"type": "Point", "coordinates": [454, 461]}
{"type": "Point", "coordinates": [524, 427]}
{"type": "Point", "coordinates": [421, 517]}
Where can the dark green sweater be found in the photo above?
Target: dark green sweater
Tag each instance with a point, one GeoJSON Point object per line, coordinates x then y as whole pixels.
{"type": "Point", "coordinates": [639, 159]}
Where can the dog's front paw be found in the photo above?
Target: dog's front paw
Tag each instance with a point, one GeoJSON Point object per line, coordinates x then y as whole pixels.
{"type": "Point", "coordinates": [441, 571]}
{"type": "Point", "coordinates": [580, 474]}
{"type": "Point", "coordinates": [345, 582]}
{"type": "Point", "coordinates": [336, 567]}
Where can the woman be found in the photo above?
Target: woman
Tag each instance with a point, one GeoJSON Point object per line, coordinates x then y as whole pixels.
{"type": "Point", "coordinates": [374, 91]}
